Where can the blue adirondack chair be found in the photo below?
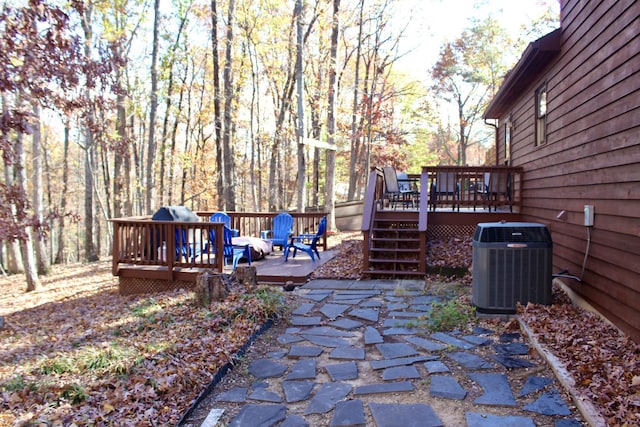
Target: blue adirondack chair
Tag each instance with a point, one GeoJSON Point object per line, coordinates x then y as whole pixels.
{"type": "Point", "coordinates": [279, 235]}
{"type": "Point", "coordinates": [307, 242]}
{"type": "Point", "coordinates": [234, 252]}
{"type": "Point", "coordinates": [224, 217]}
{"type": "Point", "coordinates": [229, 251]}
{"type": "Point", "coordinates": [186, 248]}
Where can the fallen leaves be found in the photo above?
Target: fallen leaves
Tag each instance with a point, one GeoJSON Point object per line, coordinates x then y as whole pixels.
{"type": "Point", "coordinates": [82, 354]}
{"type": "Point", "coordinates": [604, 363]}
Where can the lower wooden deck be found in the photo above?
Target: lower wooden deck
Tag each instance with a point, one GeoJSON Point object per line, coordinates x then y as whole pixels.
{"type": "Point", "coordinates": [270, 270]}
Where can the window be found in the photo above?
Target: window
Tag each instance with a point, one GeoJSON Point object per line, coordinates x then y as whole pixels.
{"type": "Point", "coordinates": [508, 130]}
{"type": "Point", "coordinates": [541, 115]}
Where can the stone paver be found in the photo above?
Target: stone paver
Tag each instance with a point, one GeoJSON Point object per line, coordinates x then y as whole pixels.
{"type": "Point", "coordinates": [304, 351]}
{"type": "Point", "coordinates": [475, 419]}
{"type": "Point", "coordinates": [396, 350]}
{"type": "Point", "coordinates": [327, 397]}
{"type": "Point", "coordinates": [447, 387]}
{"type": "Point", "coordinates": [496, 390]}
{"type": "Point", "coordinates": [295, 391]}
{"type": "Point", "coordinates": [373, 328]}
{"type": "Point", "coordinates": [349, 413]}
{"type": "Point", "coordinates": [302, 370]}
{"type": "Point", "coordinates": [417, 415]}
{"type": "Point", "coordinates": [392, 387]}
{"type": "Point", "coordinates": [253, 415]}
{"type": "Point", "coordinates": [264, 368]}
{"type": "Point", "coordinates": [351, 353]}
{"type": "Point", "coordinates": [265, 395]}
{"type": "Point", "coordinates": [347, 324]}
{"type": "Point", "coordinates": [470, 361]}
{"type": "Point", "coordinates": [425, 344]}
{"type": "Point", "coordinates": [550, 403]}
{"type": "Point", "coordinates": [332, 311]}
{"type": "Point", "coordinates": [324, 341]}
{"type": "Point", "coordinates": [400, 372]}
{"type": "Point", "coordinates": [343, 371]}
{"type": "Point", "coordinates": [533, 384]}
{"type": "Point", "coordinates": [372, 336]}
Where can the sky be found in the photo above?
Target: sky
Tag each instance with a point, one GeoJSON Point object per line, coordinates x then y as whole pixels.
{"type": "Point", "coordinates": [434, 22]}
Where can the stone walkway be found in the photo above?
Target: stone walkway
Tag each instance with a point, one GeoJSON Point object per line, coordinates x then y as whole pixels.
{"type": "Point", "coordinates": [353, 356]}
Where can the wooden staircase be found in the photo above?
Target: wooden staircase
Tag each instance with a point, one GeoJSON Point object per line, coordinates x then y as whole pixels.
{"type": "Point", "coordinates": [394, 246]}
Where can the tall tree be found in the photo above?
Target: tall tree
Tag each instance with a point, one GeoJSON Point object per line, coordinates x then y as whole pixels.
{"type": "Point", "coordinates": [42, 258]}
{"type": "Point", "coordinates": [331, 119]}
{"type": "Point", "coordinates": [217, 111]}
{"type": "Point", "coordinates": [40, 62]}
{"type": "Point", "coordinates": [302, 167]}
{"type": "Point", "coordinates": [355, 129]}
{"type": "Point", "coordinates": [229, 188]}
{"type": "Point", "coordinates": [152, 147]}
{"type": "Point", "coordinates": [467, 74]}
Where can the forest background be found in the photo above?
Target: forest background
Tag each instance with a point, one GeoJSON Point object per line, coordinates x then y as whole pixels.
{"type": "Point", "coordinates": [114, 108]}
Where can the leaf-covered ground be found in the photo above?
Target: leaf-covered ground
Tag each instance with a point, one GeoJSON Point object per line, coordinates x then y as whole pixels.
{"type": "Point", "coordinates": [77, 352]}
{"type": "Point", "coordinates": [80, 353]}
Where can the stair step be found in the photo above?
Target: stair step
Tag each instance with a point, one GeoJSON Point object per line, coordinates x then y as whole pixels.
{"type": "Point", "coordinates": [399, 250]}
{"type": "Point", "coordinates": [397, 260]}
{"type": "Point", "coordinates": [395, 239]}
{"type": "Point", "coordinates": [397, 230]}
{"type": "Point", "coordinates": [394, 272]}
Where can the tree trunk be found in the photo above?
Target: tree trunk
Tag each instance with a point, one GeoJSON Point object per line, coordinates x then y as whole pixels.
{"type": "Point", "coordinates": [302, 167]}
{"type": "Point", "coordinates": [229, 188]}
{"type": "Point", "coordinates": [42, 258]}
{"type": "Point", "coordinates": [331, 120]}
{"type": "Point", "coordinates": [217, 112]}
{"type": "Point", "coordinates": [355, 134]}
{"type": "Point", "coordinates": [89, 245]}
{"type": "Point", "coordinates": [151, 152]}
{"type": "Point", "coordinates": [26, 245]}
{"type": "Point", "coordinates": [120, 193]}
{"type": "Point", "coordinates": [63, 197]}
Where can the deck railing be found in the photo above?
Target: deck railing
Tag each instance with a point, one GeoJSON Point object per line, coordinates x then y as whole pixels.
{"type": "Point", "coordinates": [476, 187]}
{"type": "Point", "coordinates": [162, 247]}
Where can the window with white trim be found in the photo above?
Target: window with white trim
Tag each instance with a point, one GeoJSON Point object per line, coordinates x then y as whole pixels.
{"type": "Point", "coordinates": [541, 115]}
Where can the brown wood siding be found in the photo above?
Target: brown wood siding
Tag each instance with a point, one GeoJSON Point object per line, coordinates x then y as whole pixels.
{"type": "Point", "coordinates": [592, 155]}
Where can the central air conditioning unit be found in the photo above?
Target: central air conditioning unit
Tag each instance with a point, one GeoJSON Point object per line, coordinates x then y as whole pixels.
{"type": "Point", "coordinates": [512, 264]}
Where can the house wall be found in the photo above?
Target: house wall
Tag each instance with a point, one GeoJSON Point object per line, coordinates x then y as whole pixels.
{"type": "Point", "coordinates": [592, 155]}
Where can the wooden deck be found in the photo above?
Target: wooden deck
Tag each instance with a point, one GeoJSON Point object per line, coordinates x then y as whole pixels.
{"type": "Point", "coordinates": [273, 270]}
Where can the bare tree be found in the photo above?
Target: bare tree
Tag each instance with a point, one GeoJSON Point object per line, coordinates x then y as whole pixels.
{"type": "Point", "coordinates": [302, 167]}
{"type": "Point", "coordinates": [42, 257]}
{"type": "Point", "coordinates": [217, 111]}
{"type": "Point", "coordinates": [229, 188]}
{"type": "Point", "coordinates": [331, 119]}
{"type": "Point", "coordinates": [152, 147]}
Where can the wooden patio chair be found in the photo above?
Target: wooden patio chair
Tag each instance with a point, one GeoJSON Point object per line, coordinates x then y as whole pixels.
{"type": "Point", "coordinates": [392, 190]}
{"type": "Point", "coordinates": [497, 185]}
{"type": "Point", "coordinates": [447, 185]}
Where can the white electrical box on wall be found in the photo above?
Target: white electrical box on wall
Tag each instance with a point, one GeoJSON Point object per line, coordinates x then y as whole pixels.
{"type": "Point", "coordinates": [588, 215]}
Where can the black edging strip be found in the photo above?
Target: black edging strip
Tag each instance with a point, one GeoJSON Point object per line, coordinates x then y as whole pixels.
{"type": "Point", "coordinates": [223, 371]}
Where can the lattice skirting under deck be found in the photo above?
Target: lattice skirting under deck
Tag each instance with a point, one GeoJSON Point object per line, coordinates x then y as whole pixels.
{"type": "Point", "coordinates": [133, 285]}
{"type": "Point", "coordinates": [446, 231]}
